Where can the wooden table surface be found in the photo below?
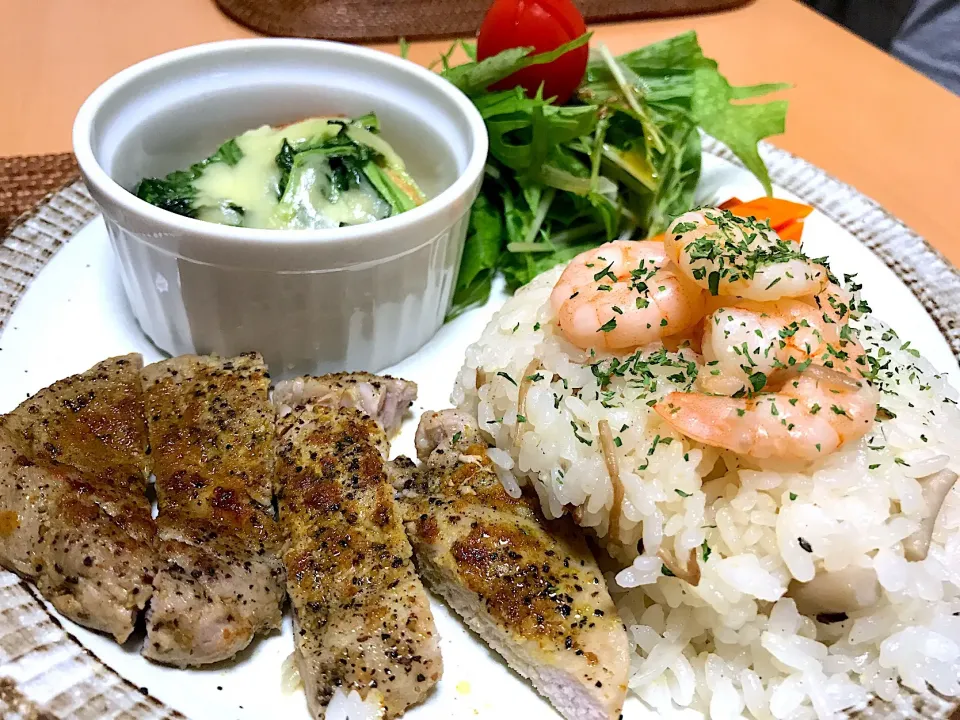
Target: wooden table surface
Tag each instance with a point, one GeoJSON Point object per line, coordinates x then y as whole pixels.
{"type": "Point", "coordinates": [854, 111]}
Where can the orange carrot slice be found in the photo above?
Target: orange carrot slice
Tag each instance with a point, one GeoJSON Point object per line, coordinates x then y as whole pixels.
{"type": "Point", "coordinates": [730, 204]}
{"type": "Point", "coordinates": [792, 231]}
{"type": "Point", "coordinates": [778, 212]}
{"type": "Point", "coordinates": [784, 216]}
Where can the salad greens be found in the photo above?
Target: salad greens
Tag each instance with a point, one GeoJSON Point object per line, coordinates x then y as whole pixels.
{"type": "Point", "coordinates": [619, 161]}
{"type": "Point", "coordinates": [317, 173]}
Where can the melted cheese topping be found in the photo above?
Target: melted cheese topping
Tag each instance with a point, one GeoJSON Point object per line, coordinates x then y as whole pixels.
{"type": "Point", "coordinates": [253, 184]}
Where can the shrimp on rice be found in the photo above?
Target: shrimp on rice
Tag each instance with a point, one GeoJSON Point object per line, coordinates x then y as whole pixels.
{"type": "Point", "coordinates": [733, 256]}
{"type": "Point", "coordinates": [624, 294]}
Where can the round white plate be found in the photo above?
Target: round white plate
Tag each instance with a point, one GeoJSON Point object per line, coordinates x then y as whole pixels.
{"type": "Point", "coordinates": [73, 313]}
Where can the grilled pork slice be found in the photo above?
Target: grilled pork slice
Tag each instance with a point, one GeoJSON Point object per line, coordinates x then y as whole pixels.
{"type": "Point", "coordinates": [382, 397]}
{"type": "Point", "coordinates": [221, 578]}
{"type": "Point", "coordinates": [74, 516]}
{"type": "Point", "coordinates": [531, 589]}
{"type": "Point", "coordinates": [93, 422]}
{"type": "Point", "coordinates": [362, 620]}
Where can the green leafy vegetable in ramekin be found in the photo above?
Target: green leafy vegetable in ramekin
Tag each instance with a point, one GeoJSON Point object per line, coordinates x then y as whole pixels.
{"type": "Point", "coordinates": [314, 174]}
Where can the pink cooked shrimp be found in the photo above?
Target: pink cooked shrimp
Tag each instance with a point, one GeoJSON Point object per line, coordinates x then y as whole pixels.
{"type": "Point", "coordinates": [623, 295]}
{"type": "Point", "coordinates": [740, 257]}
{"type": "Point", "coordinates": [811, 416]}
{"type": "Point", "coordinates": [746, 342]}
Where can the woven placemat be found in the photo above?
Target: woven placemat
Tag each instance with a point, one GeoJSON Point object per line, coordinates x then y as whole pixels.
{"type": "Point", "coordinates": [368, 20]}
{"type": "Point", "coordinates": [26, 180]}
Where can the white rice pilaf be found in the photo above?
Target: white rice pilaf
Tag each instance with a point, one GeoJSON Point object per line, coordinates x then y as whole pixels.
{"type": "Point", "coordinates": [735, 645]}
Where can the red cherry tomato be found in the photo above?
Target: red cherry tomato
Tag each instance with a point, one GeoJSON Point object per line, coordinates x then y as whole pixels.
{"type": "Point", "coordinates": [544, 25]}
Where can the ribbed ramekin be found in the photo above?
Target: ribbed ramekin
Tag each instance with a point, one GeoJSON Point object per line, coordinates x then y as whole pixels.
{"type": "Point", "coordinates": [360, 297]}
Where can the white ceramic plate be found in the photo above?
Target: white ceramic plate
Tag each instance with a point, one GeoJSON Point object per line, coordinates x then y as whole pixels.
{"type": "Point", "coordinates": [72, 313]}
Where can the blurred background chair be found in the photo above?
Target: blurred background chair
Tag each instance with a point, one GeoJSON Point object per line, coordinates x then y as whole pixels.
{"type": "Point", "coordinates": [876, 21]}
{"type": "Point", "coordinates": [929, 40]}
{"type": "Point", "coordinates": [922, 33]}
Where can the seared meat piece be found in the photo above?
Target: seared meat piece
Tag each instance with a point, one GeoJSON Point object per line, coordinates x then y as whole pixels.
{"type": "Point", "coordinates": [93, 422]}
{"type": "Point", "coordinates": [78, 539]}
{"type": "Point", "coordinates": [530, 588]}
{"type": "Point", "coordinates": [221, 578]}
{"type": "Point", "coordinates": [74, 516]}
{"type": "Point", "coordinates": [383, 398]}
{"type": "Point", "coordinates": [361, 617]}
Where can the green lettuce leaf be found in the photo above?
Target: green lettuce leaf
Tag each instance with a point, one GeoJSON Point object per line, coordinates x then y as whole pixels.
{"type": "Point", "coordinates": [739, 126]}
{"type": "Point", "coordinates": [475, 77]}
{"type": "Point", "coordinates": [176, 192]}
{"type": "Point", "coordinates": [481, 253]}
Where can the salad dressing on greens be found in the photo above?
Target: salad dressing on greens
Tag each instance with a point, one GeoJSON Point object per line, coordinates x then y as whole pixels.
{"type": "Point", "coordinates": [315, 174]}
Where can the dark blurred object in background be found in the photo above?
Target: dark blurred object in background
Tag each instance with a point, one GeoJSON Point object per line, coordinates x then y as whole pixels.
{"type": "Point", "coordinates": [876, 21]}
{"type": "Point", "coordinates": [368, 20]}
{"type": "Point", "coordinates": [922, 33]}
{"type": "Point", "coordinates": [929, 40]}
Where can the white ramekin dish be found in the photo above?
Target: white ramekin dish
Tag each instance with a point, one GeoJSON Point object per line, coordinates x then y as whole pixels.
{"type": "Point", "coordinates": [357, 298]}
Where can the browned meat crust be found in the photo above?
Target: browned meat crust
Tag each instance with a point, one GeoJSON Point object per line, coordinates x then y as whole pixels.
{"type": "Point", "coordinates": [74, 517]}
{"type": "Point", "coordinates": [361, 617]}
{"type": "Point", "coordinates": [221, 580]}
{"type": "Point", "coordinates": [530, 587]}
{"type": "Point", "coordinates": [93, 422]}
